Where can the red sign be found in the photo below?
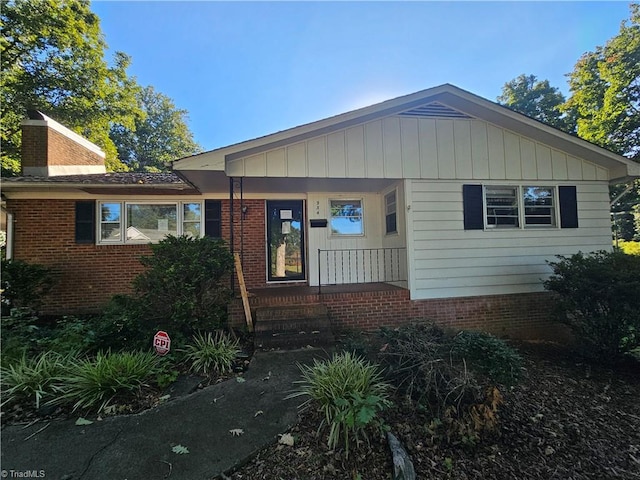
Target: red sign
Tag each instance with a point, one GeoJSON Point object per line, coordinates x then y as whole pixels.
{"type": "Point", "coordinates": [162, 343]}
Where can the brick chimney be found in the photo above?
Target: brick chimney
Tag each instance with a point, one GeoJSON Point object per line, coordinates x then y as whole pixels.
{"type": "Point", "coordinates": [50, 149]}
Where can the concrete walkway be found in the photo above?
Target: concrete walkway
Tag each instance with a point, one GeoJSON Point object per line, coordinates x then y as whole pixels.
{"type": "Point", "coordinates": [139, 447]}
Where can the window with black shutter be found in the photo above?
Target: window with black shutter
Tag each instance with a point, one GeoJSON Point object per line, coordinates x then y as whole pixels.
{"type": "Point", "coordinates": [568, 206]}
{"type": "Point", "coordinates": [473, 207]}
{"type": "Point", "coordinates": [85, 221]}
{"type": "Point", "coordinates": [213, 218]}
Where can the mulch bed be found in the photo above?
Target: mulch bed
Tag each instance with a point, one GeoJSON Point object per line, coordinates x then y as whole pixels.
{"type": "Point", "coordinates": [565, 420]}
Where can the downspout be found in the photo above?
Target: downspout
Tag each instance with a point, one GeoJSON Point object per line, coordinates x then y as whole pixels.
{"type": "Point", "coordinates": [8, 247]}
{"type": "Point", "coordinates": [231, 226]}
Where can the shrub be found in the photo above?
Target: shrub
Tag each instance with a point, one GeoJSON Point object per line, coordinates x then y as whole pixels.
{"type": "Point", "coordinates": [32, 379]}
{"type": "Point", "coordinates": [418, 362]}
{"type": "Point", "coordinates": [19, 334]}
{"type": "Point", "coordinates": [184, 289]}
{"type": "Point", "coordinates": [438, 372]}
{"type": "Point", "coordinates": [349, 393]}
{"type": "Point", "coordinates": [125, 321]}
{"type": "Point", "coordinates": [69, 334]}
{"type": "Point", "coordinates": [211, 353]}
{"type": "Point", "coordinates": [93, 383]}
{"type": "Point", "coordinates": [488, 355]}
{"type": "Point", "coordinates": [630, 248]}
{"type": "Point", "coordinates": [24, 284]}
{"type": "Point", "coordinates": [597, 297]}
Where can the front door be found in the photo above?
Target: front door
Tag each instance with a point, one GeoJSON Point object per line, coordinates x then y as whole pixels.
{"type": "Point", "coordinates": [285, 240]}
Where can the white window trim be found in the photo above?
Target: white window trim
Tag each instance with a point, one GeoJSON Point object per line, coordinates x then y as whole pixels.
{"type": "Point", "coordinates": [179, 204]}
{"type": "Point", "coordinates": [521, 207]}
{"type": "Point", "coordinates": [346, 235]}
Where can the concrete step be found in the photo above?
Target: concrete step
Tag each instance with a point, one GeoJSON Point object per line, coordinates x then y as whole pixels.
{"type": "Point", "coordinates": [292, 326]}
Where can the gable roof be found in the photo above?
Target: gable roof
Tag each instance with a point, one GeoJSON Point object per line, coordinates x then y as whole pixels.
{"type": "Point", "coordinates": [444, 100]}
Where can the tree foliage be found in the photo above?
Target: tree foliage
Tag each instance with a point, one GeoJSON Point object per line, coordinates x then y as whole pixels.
{"type": "Point", "coordinates": [604, 107]}
{"type": "Point", "coordinates": [605, 88]}
{"type": "Point", "coordinates": [159, 135]}
{"type": "Point", "coordinates": [537, 99]}
{"type": "Point", "coordinates": [52, 59]}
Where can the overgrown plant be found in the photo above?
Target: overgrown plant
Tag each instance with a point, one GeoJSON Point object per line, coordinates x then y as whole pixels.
{"type": "Point", "coordinates": [350, 394]}
{"type": "Point", "coordinates": [185, 288]}
{"type": "Point", "coordinates": [418, 362]}
{"type": "Point", "coordinates": [93, 383]}
{"type": "Point", "coordinates": [449, 377]}
{"type": "Point", "coordinates": [211, 353]}
{"type": "Point", "coordinates": [33, 379]}
{"type": "Point", "coordinates": [24, 284]}
{"type": "Point", "coordinates": [597, 297]}
{"type": "Point", "coordinates": [487, 355]}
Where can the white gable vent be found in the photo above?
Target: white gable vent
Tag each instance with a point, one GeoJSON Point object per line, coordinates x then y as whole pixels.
{"type": "Point", "coordinates": [434, 110]}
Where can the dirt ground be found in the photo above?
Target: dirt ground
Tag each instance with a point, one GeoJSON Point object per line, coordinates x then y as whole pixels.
{"type": "Point", "coordinates": [565, 420]}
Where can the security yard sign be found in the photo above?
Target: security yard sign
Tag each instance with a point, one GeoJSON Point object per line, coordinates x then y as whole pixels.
{"type": "Point", "coordinates": [162, 343]}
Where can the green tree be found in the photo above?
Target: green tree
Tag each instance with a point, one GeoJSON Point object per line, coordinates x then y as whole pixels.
{"type": "Point", "coordinates": [605, 91]}
{"type": "Point", "coordinates": [159, 135]}
{"type": "Point", "coordinates": [605, 98]}
{"type": "Point", "coordinates": [52, 59]}
{"type": "Point", "coordinates": [537, 99]}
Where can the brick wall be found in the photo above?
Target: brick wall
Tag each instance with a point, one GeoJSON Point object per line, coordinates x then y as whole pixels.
{"type": "Point", "coordinates": [522, 316]}
{"type": "Point", "coordinates": [34, 146]}
{"type": "Point", "coordinates": [64, 151]}
{"type": "Point", "coordinates": [249, 237]}
{"type": "Point", "coordinates": [43, 146]}
{"type": "Point", "coordinates": [86, 275]}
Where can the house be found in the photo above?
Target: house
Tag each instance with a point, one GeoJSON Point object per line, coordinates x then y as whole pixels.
{"type": "Point", "coordinates": [439, 205]}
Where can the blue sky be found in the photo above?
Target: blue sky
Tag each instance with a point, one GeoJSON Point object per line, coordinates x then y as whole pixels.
{"type": "Point", "coordinates": [247, 69]}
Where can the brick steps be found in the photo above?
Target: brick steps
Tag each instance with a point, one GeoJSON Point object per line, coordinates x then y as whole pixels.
{"type": "Point", "coordinates": [292, 326]}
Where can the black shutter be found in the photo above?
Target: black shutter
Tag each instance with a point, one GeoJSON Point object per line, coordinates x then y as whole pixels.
{"type": "Point", "coordinates": [568, 207]}
{"type": "Point", "coordinates": [473, 207]}
{"type": "Point", "coordinates": [213, 218]}
{"type": "Point", "coordinates": [85, 221]}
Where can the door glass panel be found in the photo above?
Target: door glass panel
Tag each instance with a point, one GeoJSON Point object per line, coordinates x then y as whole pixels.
{"type": "Point", "coordinates": [286, 240]}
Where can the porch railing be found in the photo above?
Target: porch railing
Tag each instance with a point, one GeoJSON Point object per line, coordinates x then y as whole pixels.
{"type": "Point", "coordinates": [363, 265]}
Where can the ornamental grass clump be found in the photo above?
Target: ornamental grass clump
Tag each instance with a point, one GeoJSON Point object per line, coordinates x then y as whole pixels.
{"type": "Point", "coordinates": [211, 353]}
{"type": "Point", "coordinates": [350, 394]}
{"type": "Point", "coordinates": [93, 383]}
{"type": "Point", "coordinates": [32, 379]}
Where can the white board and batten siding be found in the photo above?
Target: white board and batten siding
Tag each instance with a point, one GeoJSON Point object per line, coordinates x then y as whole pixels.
{"type": "Point", "coordinates": [400, 147]}
{"type": "Point", "coordinates": [448, 261]}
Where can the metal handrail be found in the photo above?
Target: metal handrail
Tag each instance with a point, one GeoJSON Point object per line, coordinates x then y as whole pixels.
{"type": "Point", "coordinates": [361, 265]}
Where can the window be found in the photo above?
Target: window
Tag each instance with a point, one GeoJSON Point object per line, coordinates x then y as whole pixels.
{"type": "Point", "coordinates": [110, 225]}
{"type": "Point", "coordinates": [138, 222]}
{"type": "Point", "coordinates": [512, 207]}
{"type": "Point", "coordinates": [346, 217]}
{"type": "Point", "coordinates": [390, 212]}
{"type": "Point", "coordinates": [497, 206]}
{"type": "Point", "coordinates": [192, 219]}
{"type": "Point", "coordinates": [502, 207]}
{"type": "Point", "coordinates": [539, 207]}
